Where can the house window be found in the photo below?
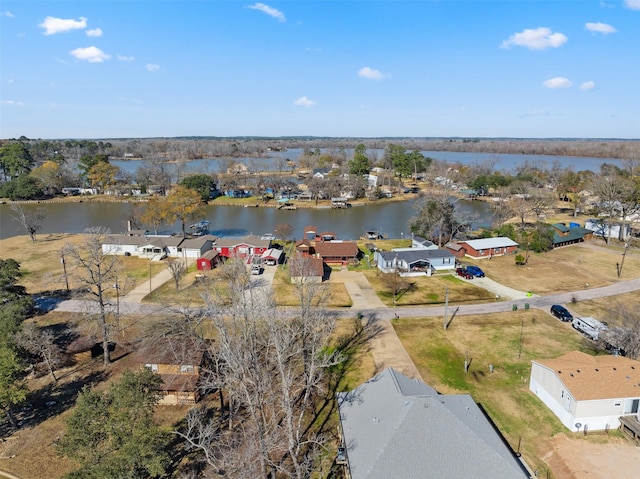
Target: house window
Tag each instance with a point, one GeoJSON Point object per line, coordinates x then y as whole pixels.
{"type": "Point", "coordinates": [481, 251]}
{"type": "Point", "coordinates": [186, 368]}
{"type": "Point", "coordinates": [152, 367]}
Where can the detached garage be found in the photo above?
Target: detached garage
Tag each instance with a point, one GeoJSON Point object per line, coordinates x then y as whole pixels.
{"type": "Point", "coordinates": [272, 256]}
{"type": "Point", "coordinates": [208, 261]}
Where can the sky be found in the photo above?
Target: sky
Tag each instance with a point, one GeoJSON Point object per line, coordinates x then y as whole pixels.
{"type": "Point", "coordinates": [339, 68]}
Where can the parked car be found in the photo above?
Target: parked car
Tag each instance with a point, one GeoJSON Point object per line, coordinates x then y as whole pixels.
{"type": "Point", "coordinates": [561, 313]}
{"type": "Point", "coordinates": [256, 269]}
{"type": "Point", "coordinates": [464, 273]}
{"type": "Point", "coordinates": [475, 271]}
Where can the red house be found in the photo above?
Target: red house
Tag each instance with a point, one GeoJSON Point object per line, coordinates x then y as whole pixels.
{"type": "Point", "coordinates": [484, 247]}
{"type": "Point", "coordinates": [245, 247]}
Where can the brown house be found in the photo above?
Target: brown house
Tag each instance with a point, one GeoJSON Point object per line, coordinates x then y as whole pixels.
{"type": "Point", "coordinates": [306, 269]}
{"type": "Point", "coordinates": [178, 362]}
{"type": "Point", "coordinates": [342, 252]}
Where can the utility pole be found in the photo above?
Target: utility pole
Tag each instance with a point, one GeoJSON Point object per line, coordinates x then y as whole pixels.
{"type": "Point", "coordinates": [149, 276]}
{"type": "Point", "coordinates": [117, 287]}
{"type": "Point", "coordinates": [64, 268]}
{"type": "Point", "coordinates": [446, 306]}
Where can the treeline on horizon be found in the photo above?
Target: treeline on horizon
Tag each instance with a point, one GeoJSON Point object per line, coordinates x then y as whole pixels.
{"type": "Point", "coordinates": [189, 148]}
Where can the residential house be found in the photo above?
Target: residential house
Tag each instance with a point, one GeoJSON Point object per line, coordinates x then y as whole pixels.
{"type": "Point", "coordinates": [564, 235]}
{"type": "Point", "coordinates": [396, 427]}
{"type": "Point", "coordinates": [588, 392]}
{"type": "Point", "coordinates": [306, 269]}
{"type": "Point", "coordinates": [336, 251]}
{"type": "Point", "coordinates": [414, 260]}
{"type": "Point", "coordinates": [178, 362]}
{"type": "Point", "coordinates": [245, 247]}
{"type": "Point", "coordinates": [196, 247]}
{"type": "Point", "coordinates": [605, 229]}
{"type": "Point", "coordinates": [484, 247]}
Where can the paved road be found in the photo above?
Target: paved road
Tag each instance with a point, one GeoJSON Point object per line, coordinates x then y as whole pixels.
{"type": "Point", "coordinates": [386, 348]}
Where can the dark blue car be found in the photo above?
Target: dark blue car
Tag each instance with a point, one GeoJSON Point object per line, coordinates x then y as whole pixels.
{"type": "Point", "coordinates": [475, 271]}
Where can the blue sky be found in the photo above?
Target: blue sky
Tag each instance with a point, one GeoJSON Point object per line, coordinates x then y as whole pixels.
{"type": "Point", "coordinates": [510, 68]}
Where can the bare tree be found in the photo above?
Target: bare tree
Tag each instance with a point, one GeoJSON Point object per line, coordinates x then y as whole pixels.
{"type": "Point", "coordinates": [624, 330]}
{"type": "Point", "coordinates": [177, 269]}
{"type": "Point", "coordinates": [31, 222]}
{"type": "Point", "coordinates": [540, 203]}
{"type": "Point", "coordinates": [97, 270]}
{"type": "Point", "coordinates": [521, 208]}
{"type": "Point", "coordinates": [271, 363]}
{"type": "Point", "coordinates": [41, 344]}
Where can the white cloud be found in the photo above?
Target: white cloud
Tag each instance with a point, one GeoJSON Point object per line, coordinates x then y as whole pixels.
{"type": "Point", "coordinates": [13, 103]}
{"type": "Point", "coordinates": [123, 58]}
{"type": "Point", "coordinates": [96, 32]}
{"type": "Point", "coordinates": [272, 12]}
{"type": "Point", "coordinates": [152, 68]}
{"type": "Point", "coordinates": [632, 4]}
{"type": "Point", "coordinates": [90, 54]}
{"type": "Point", "coordinates": [370, 73]}
{"type": "Point", "coordinates": [539, 38]}
{"type": "Point", "coordinates": [54, 25]}
{"type": "Point", "coordinates": [7, 14]}
{"type": "Point", "coordinates": [557, 82]}
{"type": "Point", "coordinates": [588, 85]}
{"type": "Point", "coordinates": [304, 101]}
{"type": "Point", "coordinates": [600, 28]}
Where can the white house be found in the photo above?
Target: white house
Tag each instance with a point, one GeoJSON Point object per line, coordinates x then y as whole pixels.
{"type": "Point", "coordinates": [414, 260]}
{"type": "Point", "coordinates": [587, 392]}
{"type": "Point", "coordinates": [604, 229]}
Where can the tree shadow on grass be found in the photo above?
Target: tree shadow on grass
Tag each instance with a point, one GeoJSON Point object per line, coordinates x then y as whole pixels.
{"type": "Point", "coordinates": [349, 345]}
{"type": "Point", "coordinates": [50, 401]}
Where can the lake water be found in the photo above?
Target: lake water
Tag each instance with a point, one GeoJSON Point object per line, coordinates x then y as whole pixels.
{"type": "Point", "coordinates": [501, 162]}
{"type": "Point", "coordinates": [391, 219]}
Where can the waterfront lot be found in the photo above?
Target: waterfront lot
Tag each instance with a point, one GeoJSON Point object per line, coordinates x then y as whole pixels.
{"type": "Point", "coordinates": [43, 272]}
{"type": "Point", "coordinates": [581, 266]}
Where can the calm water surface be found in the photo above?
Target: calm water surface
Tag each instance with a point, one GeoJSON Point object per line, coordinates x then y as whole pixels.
{"type": "Point", "coordinates": [391, 219]}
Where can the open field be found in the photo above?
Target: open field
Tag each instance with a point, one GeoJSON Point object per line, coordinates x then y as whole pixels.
{"type": "Point", "coordinates": [43, 272]}
{"type": "Point", "coordinates": [576, 267]}
{"type": "Point", "coordinates": [334, 294]}
{"type": "Point", "coordinates": [508, 341]}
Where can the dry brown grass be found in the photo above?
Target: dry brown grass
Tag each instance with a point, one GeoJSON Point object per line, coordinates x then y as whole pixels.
{"type": "Point", "coordinates": [494, 339]}
{"type": "Point", "coordinates": [426, 290]}
{"type": "Point", "coordinates": [576, 267]}
{"type": "Point", "coordinates": [334, 295]}
{"type": "Point", "coordinates": [43, 271]}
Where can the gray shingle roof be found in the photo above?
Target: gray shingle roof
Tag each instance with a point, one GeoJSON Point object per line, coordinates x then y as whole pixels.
{"type": "Point", "coordinates": [396, 427]}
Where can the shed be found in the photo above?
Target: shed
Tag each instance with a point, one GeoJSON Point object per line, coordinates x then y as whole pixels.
{"type": "Point", "coordinates": [207, 261]}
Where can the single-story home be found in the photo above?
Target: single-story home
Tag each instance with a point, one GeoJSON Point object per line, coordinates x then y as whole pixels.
{"type": "Point", "coordinates": [606, 229]}
{"type": "Point", "coordinates": [396, 427]}
{"type": "Point", "coordinates": [178, 362]}
{"type": "Point", "coordinates": [272, 256]}
{"type": "Point", "coordinates": [564, 235]}
{"type": "Point", "coordinates": [337, 251]}
{"type": "Point", "coordinates": [306, 269]}
{"type": "Point", "coordinates": [587, 392]}
{"type": "Point", "coordinates": [152, 246]}
{"type": "Point", "coordinates": [484, 247]}
{"type": "Point", "coordinates": [413, 260]}
{"type": "Point", "coordinates": [246, 246]}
